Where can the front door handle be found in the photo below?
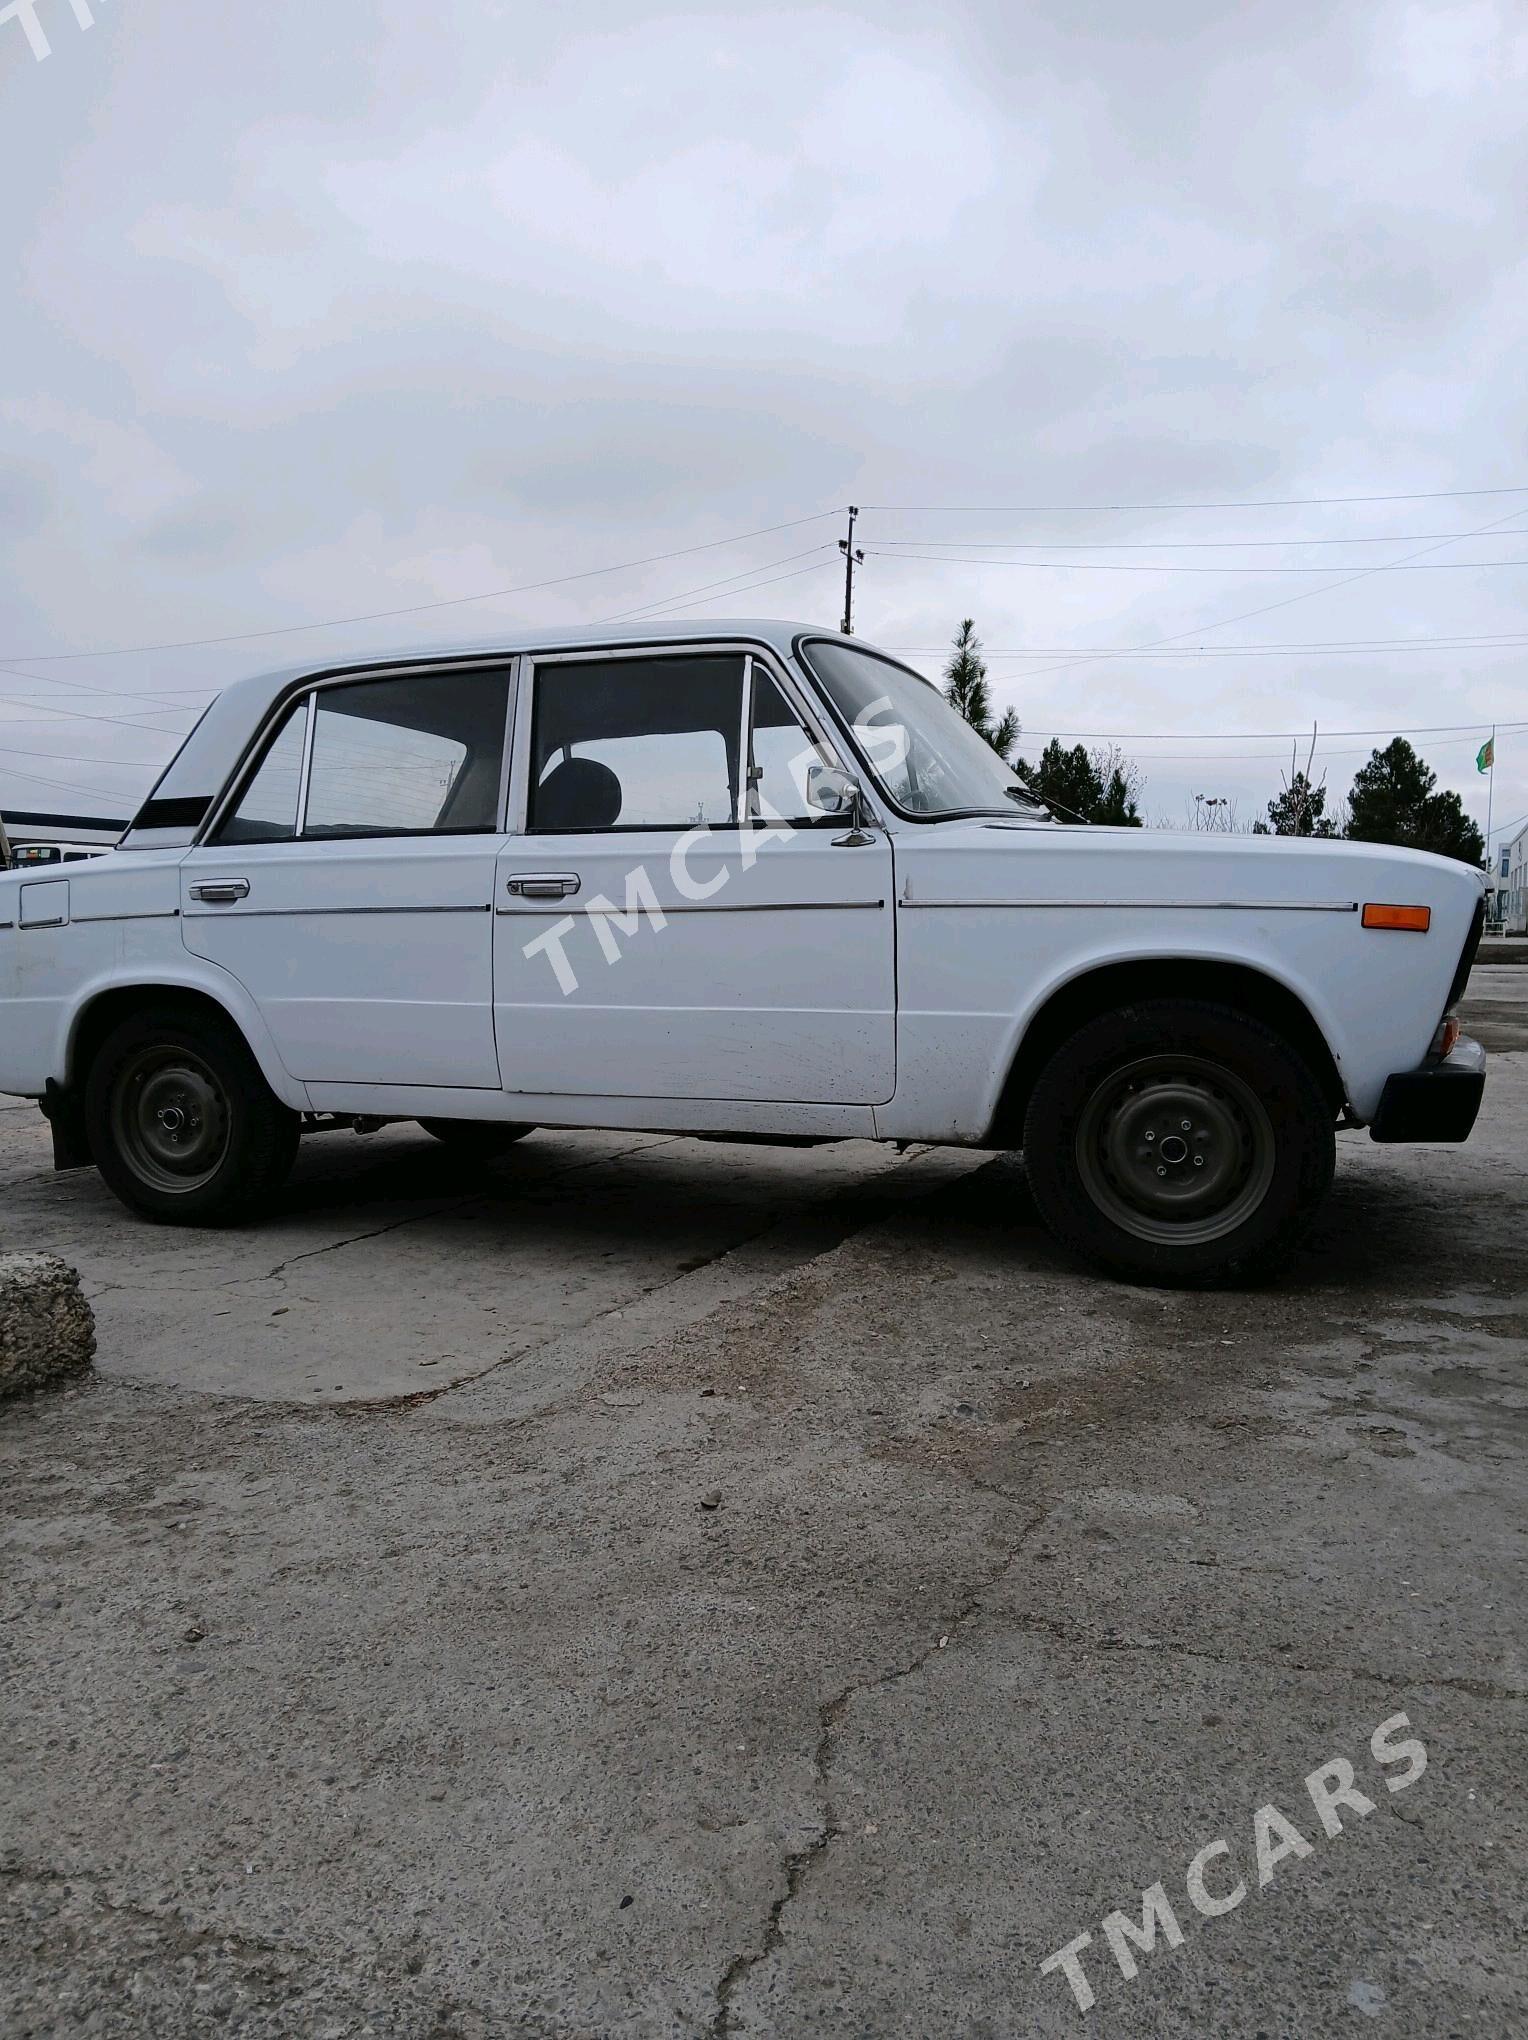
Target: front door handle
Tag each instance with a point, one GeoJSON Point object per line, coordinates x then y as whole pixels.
{"type": "Point", "coordinates": [542, 885]}
{"type": "Point", "coordinates": [221, 892]}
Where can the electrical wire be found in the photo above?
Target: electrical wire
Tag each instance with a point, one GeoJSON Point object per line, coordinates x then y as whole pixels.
{"type": "Point", "coordinates": [1104, 509]}
{"type": "Point", "coordinates": [91, 716]}
{"type": "Point", "coordinates": [415, 608]}
{"type": "Point", "coordinates": [1267, 608]}
{"type": "Point", "coordinates": [88, 792]}
{"type": "Point", "coordinates": [1177, 544]}
{"type": "Point", "coordinates": [1163, 567]}
{"type": "Point", "coordinates": [1261, 757]}
{"type": "Point", "coordinates": [1275, 736]}
{"type": "Point", "coordinates": [62, 758]}
{"type": "Point", "coordinates": [78, 687]}
{"type": "Point", "coordinates": [663, 601]}
{"type": "Point", "coordinates": [815, 568]}
{"type": "Point", "coordinates": [1357, 647]}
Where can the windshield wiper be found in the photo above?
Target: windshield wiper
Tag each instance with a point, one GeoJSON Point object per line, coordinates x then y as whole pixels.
{"type": "Point", "coordinates": [1022, 797]}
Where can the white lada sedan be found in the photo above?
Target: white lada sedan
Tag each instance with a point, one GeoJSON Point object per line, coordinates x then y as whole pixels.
{"type": "Point", "coordinates": [747, 879]}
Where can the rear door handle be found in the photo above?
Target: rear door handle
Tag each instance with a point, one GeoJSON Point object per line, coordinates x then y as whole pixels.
{"type": "Point", "coordinates": [542, 885]}
{"type": "Point", "coordinates": [221, 892]}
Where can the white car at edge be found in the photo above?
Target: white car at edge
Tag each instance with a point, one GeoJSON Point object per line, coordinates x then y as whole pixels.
{"type": "Point", "coordinates": [749, 879]}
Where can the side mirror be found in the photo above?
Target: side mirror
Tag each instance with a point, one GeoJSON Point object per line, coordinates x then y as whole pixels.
{"type": "Point", "coordinates": [831, 791]}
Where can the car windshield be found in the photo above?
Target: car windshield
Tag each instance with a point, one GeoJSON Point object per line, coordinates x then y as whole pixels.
{"type": "Point", "coordinates": [925, 756]}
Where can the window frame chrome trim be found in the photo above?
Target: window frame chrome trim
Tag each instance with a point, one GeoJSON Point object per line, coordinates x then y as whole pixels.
{"type": "Point", "coordinates": [253, 754]}
{"type": "Point", "coordinates": [809, 712]}
{"type": "Point", "coordinates": [304, 770]}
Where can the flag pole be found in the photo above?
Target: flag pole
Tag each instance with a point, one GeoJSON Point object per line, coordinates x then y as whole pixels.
{"type": "Point", "coordinates": [1490, 798]}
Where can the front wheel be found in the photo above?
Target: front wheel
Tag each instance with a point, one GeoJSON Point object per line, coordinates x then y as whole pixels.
{"type": "Point", "coordinates": [182, 1124]}
{"type": "Point", "coordinates": [1179, 1142]}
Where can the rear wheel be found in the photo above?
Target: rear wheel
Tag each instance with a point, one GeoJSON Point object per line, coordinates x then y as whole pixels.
{"type": "Point", "coordinates": [181, 1123]}
{"type": "Point", "coordinates": [1179, 1141]}
{"type": "Point", "coordinates": [475, 1139]}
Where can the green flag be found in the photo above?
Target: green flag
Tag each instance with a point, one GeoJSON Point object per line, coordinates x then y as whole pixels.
{"type": "Point", "coordinates": [1485, 757]}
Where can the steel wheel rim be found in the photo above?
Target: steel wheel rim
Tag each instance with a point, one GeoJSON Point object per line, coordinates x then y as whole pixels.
{"type": "Point", "coordinates": [1175, 1149]}
{"type": "Point", "coordinates": [169, 1118]}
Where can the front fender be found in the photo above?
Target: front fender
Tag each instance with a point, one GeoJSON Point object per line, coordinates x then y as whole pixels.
{"type": "Point", "coordinates": [1098, 956]}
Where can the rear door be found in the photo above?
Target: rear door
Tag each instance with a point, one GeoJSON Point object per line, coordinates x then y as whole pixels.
{"type": "Point", "coordinates": [672, 920]}
{"type": "Point", "coordinates": [350, 886]}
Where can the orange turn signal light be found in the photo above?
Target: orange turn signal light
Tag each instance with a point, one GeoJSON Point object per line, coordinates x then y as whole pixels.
{"type": "Point", "coordinates": [1378, 915]}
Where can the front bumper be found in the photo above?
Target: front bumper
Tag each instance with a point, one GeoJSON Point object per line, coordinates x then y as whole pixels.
{"type": "Point", "coordinates": [1438, 1102]}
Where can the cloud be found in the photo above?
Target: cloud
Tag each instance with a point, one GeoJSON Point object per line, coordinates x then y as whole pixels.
{"type": "Point", "coordinates": [332, 310]}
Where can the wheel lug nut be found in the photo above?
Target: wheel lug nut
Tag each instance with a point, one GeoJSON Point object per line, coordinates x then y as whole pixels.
{"type": "Point", "coordinates": [1184, 1124]}
{"type": "Point", "coordinates": [1199, 1161]}
{"type": "Point", "coordinates": [1161, 1172]}
{"type": "Point", "coordinates": [1151, 1136]}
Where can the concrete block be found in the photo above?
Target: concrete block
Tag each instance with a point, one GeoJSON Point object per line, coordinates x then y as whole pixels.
{"type": "Point", "coordinates": [47, 1329]}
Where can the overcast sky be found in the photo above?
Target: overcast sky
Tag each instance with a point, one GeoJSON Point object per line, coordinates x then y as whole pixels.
{"type": "Point", "coordinates": [318, 310]}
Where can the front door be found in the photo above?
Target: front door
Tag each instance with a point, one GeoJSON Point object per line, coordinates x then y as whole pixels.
{"type": "Point", "coordinates": [350, 888]}
{"type": "Point", "coordinates": [671, 918]}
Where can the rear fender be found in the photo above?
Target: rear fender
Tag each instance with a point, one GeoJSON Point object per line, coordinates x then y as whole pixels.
{"type": "Point", "coordinates": [192, 976]}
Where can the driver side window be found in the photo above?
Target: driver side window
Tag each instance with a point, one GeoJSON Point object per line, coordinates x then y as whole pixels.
{"type": "Point", "coordinates": [636, 744]}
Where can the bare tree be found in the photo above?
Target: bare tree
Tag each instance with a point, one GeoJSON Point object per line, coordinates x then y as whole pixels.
{"type": "Point", "coordinates": [1213, 814]}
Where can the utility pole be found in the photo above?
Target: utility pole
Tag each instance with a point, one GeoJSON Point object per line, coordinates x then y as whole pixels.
{"type": "Point", "coordinates": [852, 558]}
{"type": "Point", "coordinates": [5, 847]}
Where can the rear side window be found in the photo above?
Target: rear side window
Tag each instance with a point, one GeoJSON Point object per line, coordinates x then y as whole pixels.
{"type": "Point", "coordinates": [267, 812]}
{"type": "Point", "coordinates": [422, 754]}
{"type": "Point", "coordinates": [408, 756]}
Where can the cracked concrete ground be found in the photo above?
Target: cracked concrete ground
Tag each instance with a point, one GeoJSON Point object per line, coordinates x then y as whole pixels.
{"type": "Point", "coordinates": [660, 1587]}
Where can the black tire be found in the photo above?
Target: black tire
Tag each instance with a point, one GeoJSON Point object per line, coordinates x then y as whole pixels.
{"type": "Point", "coordinates": [181, 1123]}
{"type": "Point", "coordinates": [1179, 1142]}
{"type": "Point", "coordinates": [475, 1140]}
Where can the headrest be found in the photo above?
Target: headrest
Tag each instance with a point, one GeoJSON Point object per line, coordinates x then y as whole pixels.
{"type": "Point", "coordinates": [579, 794]}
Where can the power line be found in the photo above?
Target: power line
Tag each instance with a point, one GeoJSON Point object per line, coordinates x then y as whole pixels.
{"type": "Point", "coordinates": [1103, 509]}
{"type": "Point", "coordinates": [1180, 544]}
{"type": "Point", "coordinates": [816, 568]}
{"type": "Point", "coordinates": [1197, 758]}
{"type": "Point", "coordinates": [93, 716]}
{"type": "Point", "coordinates": [1162, 567]}
{"type": "Point", "coordinates": [1319, 648]}
{"type": "Point", "coordinates": [416, 608]}
{"type": "Point", "coordinates": [120, 694]}
{"type": "Point", "coordinates": [1271, 736]}
{"type": "Point", "coordinates": [89, 792]}
{"type": "Point", "coordinates": [664, 601]}
{"type": "Point", "coordinates": [79, 687]}
{"type": "Point", "coordinates": [56, 758]}
{"type": "Point", "coordinates": [1267, 608]}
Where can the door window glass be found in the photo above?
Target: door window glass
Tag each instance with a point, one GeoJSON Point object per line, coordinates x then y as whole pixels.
{"type": "Point", "coordinates": [414, 755]}
{"type": "Point", "coordinates": [782, 751]}
{"type": "Point", "coordinates": [636, 744]}
{"type": "Point", "coordinates": [267, 812]}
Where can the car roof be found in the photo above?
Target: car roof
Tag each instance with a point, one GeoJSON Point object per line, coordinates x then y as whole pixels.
{"type": "Point", "coordinates": [200, 768]}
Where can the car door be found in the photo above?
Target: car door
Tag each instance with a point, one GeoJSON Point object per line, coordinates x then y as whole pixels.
{"type": "Point", "coordinates": [349, 885]}
{"type": "Point", "coordinates": [672, 920]}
